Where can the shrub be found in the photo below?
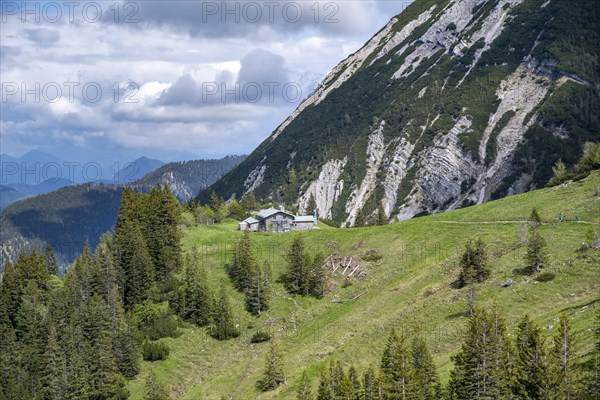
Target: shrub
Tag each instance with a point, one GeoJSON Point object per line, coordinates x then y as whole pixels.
{"type": "Point", "coordinates": [260, 336]}
{"type": "Point", "coordinates": [164, 326]}
{"type": "Point", "coordinates": [154, 351]}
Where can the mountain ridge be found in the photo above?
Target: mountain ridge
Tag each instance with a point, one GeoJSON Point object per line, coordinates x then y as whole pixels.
{"type": "Point", "coordinates": [451, 103]}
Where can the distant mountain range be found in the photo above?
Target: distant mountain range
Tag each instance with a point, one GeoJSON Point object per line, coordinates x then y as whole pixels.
{"type": "Point", "coordinates": [186, 179]}
{"type": "Point", "coordinates": [38, 172]}
{"type": "Point", "coordinates": [67, 217]}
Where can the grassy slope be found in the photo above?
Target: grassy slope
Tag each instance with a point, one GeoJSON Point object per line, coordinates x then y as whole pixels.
{"type": "Point", "coordinates": [409, 286]}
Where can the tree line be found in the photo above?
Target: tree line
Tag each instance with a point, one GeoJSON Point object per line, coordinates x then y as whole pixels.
{"type": "Point", "coordinates": [491, 364]}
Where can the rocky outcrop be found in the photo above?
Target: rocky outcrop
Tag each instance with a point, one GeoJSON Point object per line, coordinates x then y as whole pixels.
{"type": "Point", "coordinates": [440, 147]}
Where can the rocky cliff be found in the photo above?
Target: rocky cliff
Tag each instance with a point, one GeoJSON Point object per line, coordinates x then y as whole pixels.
{"type": "Point", "coordinates": [452, 103]}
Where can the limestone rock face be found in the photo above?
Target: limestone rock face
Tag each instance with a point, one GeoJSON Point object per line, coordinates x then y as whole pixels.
{"type": "Point", "coordinates": [452, 103]}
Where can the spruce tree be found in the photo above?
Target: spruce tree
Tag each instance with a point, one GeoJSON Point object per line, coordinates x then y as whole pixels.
{"type": "Point", "coordinates": [397, 368]}
{"type": "Point", "coordinates": [298, 262]}
{"type": "Point", "coordinates": [311, 206]}
{"type": "Point", "coordinates": [535, 258]}
{"type": "Point", "coordinates": [126, 351]}
{"type": "Point", "coordinates": [565, 374]}
{"type": "Point", "coordinates": [318, 276]}
{"type": "Point", "coordinates": [54, 378]}
{"type": "Point", "coordinates": [371, 388]}
{"type": "Point", "coordinates": [245, 263]}
{"type": "Point", "coordinates": [258, 294]}
{"type": "Point", "coordinates": [51, 263]}
{"type": "Point", "coordinates": [155, 389]}
{"type": "Point", "coordinates": [249, 202]}
{"type": "Point", "coordinates": [534, 218]}
{"type": "Point", "coordinates": [273, 373]}
{"type": "Point", "coordinates": [135, 263]}
{"type": "Point", "coordinates": [304, 390]}
{"type": "Point", "coordinates": [481, 368]}
{"type": "Point", "coordinates": [360, 219]}
{"type": "Point", "coordinates": [426, 381]}
{"type": "Point", "coordinates": [531, 364]}
{"type": "Point", "coordinates": [381, 216]}
{"type": "Point", "coordinates": [324, 391]}
{"type": "Point", "coordinates": [223, 327]}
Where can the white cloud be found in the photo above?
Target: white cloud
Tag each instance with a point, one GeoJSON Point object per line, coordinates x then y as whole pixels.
{"type": "Point", "coordinates": [155, 54]}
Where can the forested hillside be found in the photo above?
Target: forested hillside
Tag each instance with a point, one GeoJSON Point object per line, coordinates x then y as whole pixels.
{"type": "Point", "coordinates": [431, 308]}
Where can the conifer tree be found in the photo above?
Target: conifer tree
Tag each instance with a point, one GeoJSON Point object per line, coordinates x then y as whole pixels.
{"type": "Point", "coordinates": [531, 364]}
{"type": "Point", "coordinates": [195, 300]}
{"type": "Point", "coordinates": [297, 268]}
{"type": "Point", "coordinates": [397, 368]}
{"type": "Point", "coordinates": [324, 391]}
{"type": "Point", "coordinates": [273, 373]}
{"type": "Point", "coordinates": [155, 389]}
{"type": "Point", "coordinates": [372, 389]}
{"type": "Point", "coordinates": [318, 276]}
{"type": "Point", "coordinates": [311, 206]}
{"type": "Point", "coordinates": [223, 326]}
{"type": "Point", "coordinates": [534, 218]}
{"type": "Point", "coordinates": [54, 378]}
{"type": "Point", "coordinates": [51, 263]}
{"type": "Point", "coordinates": [304, 390]}
{"type": "Point", "coordinates": [354, 379]}
{"type": "Point", "coordinates": [126, 351]}
{"type": "Point", "coordinates": [258, 294]}
{"type": "Point", "coordinates": [535, 258]}
{"type": "Point", "coordinates": [360, 219]}
{"type": "Point", "coordinates": [245, 265]}
{"type": "Point", "coordinates": [249, 202]}
{"type": "Point", "coordinates": [94, 320]}
{"type": "Point", "coordinates": [426, 382]}
{"type": "Point", "coordinates": [135, 263]}
{"type": "Point", "coordinates": [381, 216]}
{"type": "Point", "coordinates": [481, 368]}
{"type": "Point", "coordinates": [565, 374]}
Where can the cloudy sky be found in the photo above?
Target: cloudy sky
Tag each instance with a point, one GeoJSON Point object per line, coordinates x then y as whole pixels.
{"type": "Point", "coordinates": [111, 81]}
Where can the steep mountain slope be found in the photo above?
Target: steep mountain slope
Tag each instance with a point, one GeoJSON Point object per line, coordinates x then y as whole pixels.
{"type": "Point", "coordinates": [409, 286]}
{"type": "Point", "coordinates": [186, 179]}
{"type": "Point", "coordinates": [452, 103]}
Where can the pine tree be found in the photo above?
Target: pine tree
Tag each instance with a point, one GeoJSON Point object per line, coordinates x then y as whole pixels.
{"type": "Point", "coordinates": [324, 391]}
{"type": "Point", "coordinates": [481, 368]}
{"type": "Point", "coordinates": [245, 265]}
{"type": "Point", "coordinates": [534, 218]}
{"type": "Point", "coordinates": [354, 379]}
{"type": "Point", "coordinates": [32, 331]}
{"type": "Point", "coordinates": [565, 375]}
{"type": "Point", "coordinates": [311, 206]}
{"type": "Point", "coordinates": [223, 326]}
{"type": "Point", "coordinates": [51, 263]}
{"type": "Point", "coordinates": [95, 323]}
{"type": "Point", "coordinates": [360, 219]}
{"type": "Point", "coordinates": [273, 374]}
{"type": "Point", "coordinates": [304, 390]}
{"type": "Point", "coordinates": [298, 262]}
{"type": "Point", "coordinates": [54, 378]}
{"type": "Point", "coordinates": [531, 365]}
{"type": "Point", "coordinates": [381, 216]}
{"type": "Point", "coordinates": [372, 389]}
{"type": "Point", "coordinates": [397, 368]}
{"type": "Point", "coordinates": [249, 202]}
{"type": "Point", "coordinates": [155, 390]}
{"type": "Point", "coordinates": [426, 381]}
{"type": "Point", "coordinates": [258, 294]}
{"type": "Point", "coordinates": [535, 258]}
{"type": "Point", "coordinates": [126, 351]}
{"type": "Point", "coordinates": [135, 263]}
{"type": "Point", "coordinates": [318, 276]}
